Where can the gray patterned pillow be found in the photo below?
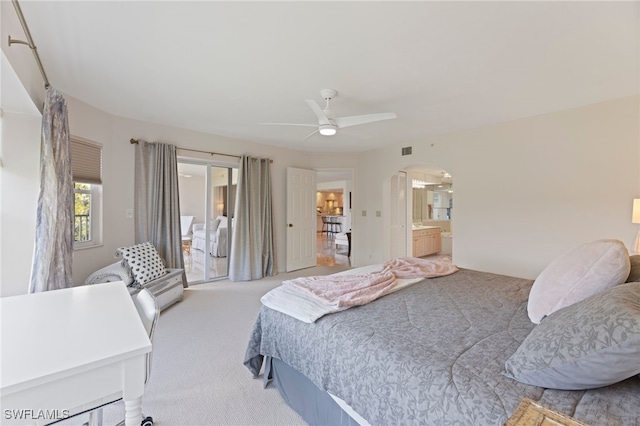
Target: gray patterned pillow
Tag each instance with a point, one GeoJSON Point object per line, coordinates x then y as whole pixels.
{"type": "Point", "coordinates": [592, 343]}
{"type": "Point", "coordinates": [634, 274]}
{"type": "Point", "coordinates": [143, 261]}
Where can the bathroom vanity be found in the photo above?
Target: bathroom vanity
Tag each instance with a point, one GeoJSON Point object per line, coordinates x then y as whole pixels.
{"type": "Point", "coordinates": [426, 240]}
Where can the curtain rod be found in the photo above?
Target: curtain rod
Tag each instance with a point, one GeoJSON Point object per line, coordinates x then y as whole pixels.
{"type": "Point", "coordinates": [135, 142]}
{"type": "Point", "coordinates": [29, 42]}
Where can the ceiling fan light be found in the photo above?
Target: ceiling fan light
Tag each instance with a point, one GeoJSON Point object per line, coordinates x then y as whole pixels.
{"type": "Point", "coordinates": [327, 129]}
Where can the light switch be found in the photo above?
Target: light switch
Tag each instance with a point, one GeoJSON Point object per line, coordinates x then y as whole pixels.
{"type": "Point", "coordinates": [364, 213]}
{"type": "Point", "coordinates": [378, 213]}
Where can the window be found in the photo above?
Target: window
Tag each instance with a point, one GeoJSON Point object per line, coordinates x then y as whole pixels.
{"type": "Point", "coordinates": [86, 164]}
{"type": "Point", "coordinates": [82, 218]}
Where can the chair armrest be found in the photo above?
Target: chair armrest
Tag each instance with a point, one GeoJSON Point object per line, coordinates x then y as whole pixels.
{"type": "Point", "coordinates": [222, 233]}
{"type": "Point", "coordinates": [198, 226]}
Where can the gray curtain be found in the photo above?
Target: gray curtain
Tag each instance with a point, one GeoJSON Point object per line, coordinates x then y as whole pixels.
{"type": "Point", "coordinates": [253, 254]}
{"type": "Point", "coordinates": [53, 251]}
{"type": "Point", "coordinates": [157, 206]}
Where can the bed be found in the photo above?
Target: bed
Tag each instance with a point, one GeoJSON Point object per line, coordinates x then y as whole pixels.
{"type": "Point", "coordinates": [433, 353]}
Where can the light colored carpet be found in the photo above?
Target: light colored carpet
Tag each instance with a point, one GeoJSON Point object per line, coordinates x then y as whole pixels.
{"type": "Point", "coordinates": [197, 375]}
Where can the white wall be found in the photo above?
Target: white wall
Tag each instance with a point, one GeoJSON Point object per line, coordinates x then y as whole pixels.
{"type": "Point", "coordinates": [192, 197]}
{"type": "Point", "coordinates": [526, 190]}
{"type": "Point", "coordinates": [20, 123]}
{"type": "Point", "coordinates": [19, 188]}
{"type": "Point", "coordinates": [117, 157]}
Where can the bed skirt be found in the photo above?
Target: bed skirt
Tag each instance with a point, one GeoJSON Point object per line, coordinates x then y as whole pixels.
{"type": "Point", "coordinates": [315, 406]}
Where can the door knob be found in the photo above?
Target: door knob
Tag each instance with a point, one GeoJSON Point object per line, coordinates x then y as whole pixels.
{"type": "Point", "coordinates": [291, 225]}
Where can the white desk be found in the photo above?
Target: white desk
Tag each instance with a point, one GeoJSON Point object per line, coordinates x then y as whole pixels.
{"type": "Point", "coordinates": [71, 349]}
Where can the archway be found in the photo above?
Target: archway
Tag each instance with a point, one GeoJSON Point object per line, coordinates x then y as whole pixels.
{"type": "Point", "coordinates": [428, 203]}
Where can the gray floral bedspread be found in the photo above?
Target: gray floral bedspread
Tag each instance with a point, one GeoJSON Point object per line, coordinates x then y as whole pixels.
{"type": "Point", "coordinates": [430, 354]}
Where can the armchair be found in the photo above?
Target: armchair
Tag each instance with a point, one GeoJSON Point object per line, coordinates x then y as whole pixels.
{"type": "Point", "coordinates": [147, 271]}
{"type": "Point", "coordinates": [218, 235]}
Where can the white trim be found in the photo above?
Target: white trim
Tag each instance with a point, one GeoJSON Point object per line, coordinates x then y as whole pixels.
{"type": "Point", "coordinates": [350, 411]}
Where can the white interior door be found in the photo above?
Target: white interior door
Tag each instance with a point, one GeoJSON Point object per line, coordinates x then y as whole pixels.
{"type": "Point", "coordinates": [398, 215]}
{"type": "Point", "coordinates": [301, 218]}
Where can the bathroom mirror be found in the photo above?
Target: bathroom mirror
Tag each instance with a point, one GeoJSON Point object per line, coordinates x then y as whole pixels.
{"type": "Point", "coordinates": [433, 202]}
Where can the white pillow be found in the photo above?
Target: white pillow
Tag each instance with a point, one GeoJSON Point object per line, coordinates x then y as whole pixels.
{"type": "Point", "coordinates": [579, 273]}
{"type": "Point", "coordinates": [213, 225]}
{"type": "Point", "coordinates": [223, 221]}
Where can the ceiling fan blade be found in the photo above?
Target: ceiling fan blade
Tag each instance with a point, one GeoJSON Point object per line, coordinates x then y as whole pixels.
{"type": "Point", "coordinates": [362, 119]}
{"type": "Point", "coordinates": [322, 118]}
{"type": "Point", "coordinates": [311, 134]}
{"type": "Point", "coordinates": [290, 124]}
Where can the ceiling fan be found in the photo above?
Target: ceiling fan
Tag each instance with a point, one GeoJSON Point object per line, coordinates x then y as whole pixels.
{"type": "Point", "coordinates": [328, 124]}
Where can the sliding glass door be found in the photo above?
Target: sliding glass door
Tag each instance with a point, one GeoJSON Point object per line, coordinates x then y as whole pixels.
{"type": "Point", "coordinates": [207, 192]}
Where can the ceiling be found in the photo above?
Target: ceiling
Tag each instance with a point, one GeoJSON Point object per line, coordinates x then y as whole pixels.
{"type": "Point", "coordinates": [224, 67]}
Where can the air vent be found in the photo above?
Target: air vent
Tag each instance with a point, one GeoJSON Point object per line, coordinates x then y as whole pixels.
{"type": "Point", "coordinates": [406, 150]}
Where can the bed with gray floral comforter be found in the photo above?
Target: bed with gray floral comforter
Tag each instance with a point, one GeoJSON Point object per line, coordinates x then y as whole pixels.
{"type": "Point", "coordinates": [430, 354]}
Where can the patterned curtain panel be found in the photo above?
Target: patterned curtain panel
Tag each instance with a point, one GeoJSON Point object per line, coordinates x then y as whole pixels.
{"type": "Point", "coordinates": [253, 254]}
{"type": "Point", "coordinates": [157, 206]}
{"type": "Point", "coordinates": [53, 252]}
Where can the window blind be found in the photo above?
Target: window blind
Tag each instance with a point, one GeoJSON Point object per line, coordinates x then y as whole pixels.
{"type": "Point", "coordinates": [86, 161]}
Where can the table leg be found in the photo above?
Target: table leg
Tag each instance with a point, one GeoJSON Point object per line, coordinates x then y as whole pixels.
{"type": "Point", "coordinates": [133, 411]}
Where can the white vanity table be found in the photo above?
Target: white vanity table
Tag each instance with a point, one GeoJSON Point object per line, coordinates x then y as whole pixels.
{"type": "Point", "coordinates": [65, 351]}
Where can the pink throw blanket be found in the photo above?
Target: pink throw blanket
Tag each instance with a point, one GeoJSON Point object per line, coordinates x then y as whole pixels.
{"type": "Point", "coordinates": [413, 267]}
{"type": "Point", "coordinates": [354, 290]}
{"type": "Point", "coordinates": [345, 290]}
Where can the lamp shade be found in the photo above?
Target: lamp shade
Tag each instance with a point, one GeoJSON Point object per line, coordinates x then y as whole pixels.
{"type": "Point", "coordinates": [635, 215]}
